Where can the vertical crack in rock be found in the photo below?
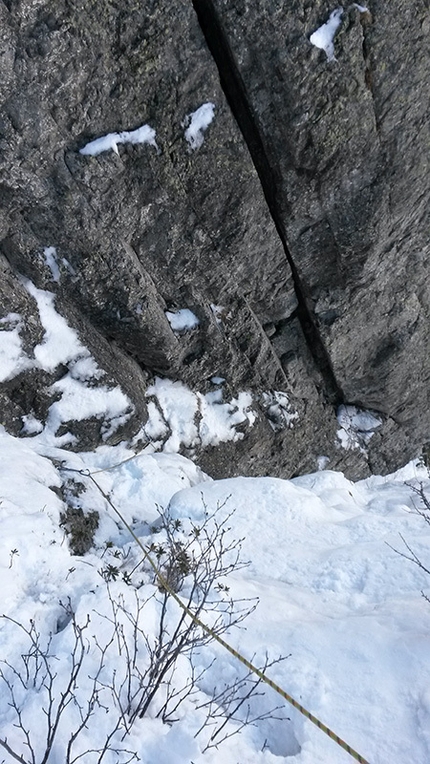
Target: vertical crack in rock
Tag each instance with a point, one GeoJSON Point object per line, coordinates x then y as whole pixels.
{"type": "Point", "coordinates": [365, 21]}
{"type": "Point", "coordinates": [236, 95]}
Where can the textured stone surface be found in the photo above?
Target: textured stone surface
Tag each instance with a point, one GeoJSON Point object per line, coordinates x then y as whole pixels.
{"type": "Point", "coordinates": [346, 144]}
{"type": "Point", "coordinates": [303, 213]}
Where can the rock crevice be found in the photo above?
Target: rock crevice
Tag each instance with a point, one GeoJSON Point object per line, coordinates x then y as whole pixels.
{"type": "Point", "coordinates": [236, 95]}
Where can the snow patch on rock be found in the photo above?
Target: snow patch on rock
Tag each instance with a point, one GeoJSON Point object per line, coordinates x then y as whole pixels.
{"type": "Point", "coordinates": [179, 418]}
{"type": "Point", "coordinates": [183, 320]}
{"type": "Point", "coordinates": [197, 123]}
{"type": "Point", "coordinates": [357, 427]}
{"type": "Point", "coordinates": [323, 37]}
{"type": "Point", "coordinates": [278, 409]}
{"type": "Point", "coordinates": [109, 142]}
{"type": "Point", "coordinates": [79, 397]}
{"type": "Point", "coordinates": [13, 359]}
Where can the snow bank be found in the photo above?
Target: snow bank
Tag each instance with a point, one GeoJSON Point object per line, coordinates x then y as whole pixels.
{"type": "Point", "coordinates": [334, 596]}
{"type": "Point", "coordinates": [144, 134]}
{"type": "Point", "coordinates": [197, 123]}
{"type": "Point", "coordinates": [338, 599]}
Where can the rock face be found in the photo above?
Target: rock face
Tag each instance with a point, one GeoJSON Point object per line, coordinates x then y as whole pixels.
{"type": "Point", "coordinates": [294, 227]}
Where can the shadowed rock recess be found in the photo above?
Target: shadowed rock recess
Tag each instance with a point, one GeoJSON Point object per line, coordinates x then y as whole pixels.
{"type": "Point", "coordinates": [301, 212]}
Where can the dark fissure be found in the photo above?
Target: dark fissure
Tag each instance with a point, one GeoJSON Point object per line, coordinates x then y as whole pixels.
{"type": "Point", "coordinates": [236, 95]}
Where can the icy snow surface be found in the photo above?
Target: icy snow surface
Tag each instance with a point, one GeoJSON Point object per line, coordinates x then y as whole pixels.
{"type": "Point", "coordinates": [197, 123]}
{"type": "Point", "coordinates": [144, 134]}
{"type": "Point", "coordinates": [323, 37]}
{"type": "Point", "coordinates": [334, 596]}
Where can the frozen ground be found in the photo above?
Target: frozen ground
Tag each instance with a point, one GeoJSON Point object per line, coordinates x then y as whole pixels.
{"type": "Point", "coordinates": [333, 596]}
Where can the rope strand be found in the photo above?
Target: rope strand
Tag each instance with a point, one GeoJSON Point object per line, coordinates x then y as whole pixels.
{"type": "Point", "coordinates": [250, 666]}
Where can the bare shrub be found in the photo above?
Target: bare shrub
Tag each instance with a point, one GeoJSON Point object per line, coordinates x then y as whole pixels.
{"type": "Point", "coordinates": [138, 670]}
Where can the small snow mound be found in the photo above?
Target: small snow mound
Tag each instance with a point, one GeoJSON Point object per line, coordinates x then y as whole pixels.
{"type": "Point", "coordinates": [357, 427]}
{"type": "Point", "coordinates": [144, 134]}
{"type": "Point", "coordinates": [197, 123]}
{"type": "Point", "coordinates": [183, 320]}
{"type": "Point", "coordinates": [323, 37]}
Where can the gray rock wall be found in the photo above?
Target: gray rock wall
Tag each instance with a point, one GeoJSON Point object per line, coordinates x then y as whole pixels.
{"type": "Point", "coordinates": [303, 213]}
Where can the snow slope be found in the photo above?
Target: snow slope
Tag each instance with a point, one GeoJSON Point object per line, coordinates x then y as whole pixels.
{"type": "Point", "coordinates": [334, 597]}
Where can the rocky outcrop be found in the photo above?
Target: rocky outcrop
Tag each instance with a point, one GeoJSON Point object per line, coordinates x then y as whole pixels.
{"type": "Point", "coordinates": [340, 156]}
{"type": "Point", "coordinates": [293, 227]}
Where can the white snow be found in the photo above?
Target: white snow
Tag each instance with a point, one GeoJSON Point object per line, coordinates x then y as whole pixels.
{"type": "Point", "coordinates": [85, 368]}
{"type": "Point", "coordinates": [144, 134]}
{"type": "Point", "coordinates": [13, 360]}
{"type": "Point", "coordinates": [31, 425]}
{"type": "Point", "coordinates": [197, 123]}
{"type": "Point", "coordinates": [50, 257]}
{"type": "Point", "coordinates": [334, 596]}
{"type": "Point", "coordinates": [220, 313]}
{"type": "Point", "coordinates": [78, 401]}
{"type": "Point", "coordinates": [219, 421]}
{"type": "Point", "coordinates": [322, 462]}
{"type": "Point", "coordinates": [183, 320]}
{"type": "Point", "coordinates": [79, 397]}
{"type": "Point", "coordinates": [190, 419]}
{"type": "Point", "coordinates": [323, 37]}
{"type": "Point", "coordinates": [60, 343]}
{"type": "Point", "coordinates": [357, 427]}
{"type": "Point", "coordinates": [361, 8]}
